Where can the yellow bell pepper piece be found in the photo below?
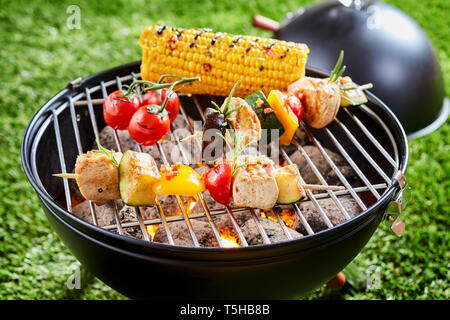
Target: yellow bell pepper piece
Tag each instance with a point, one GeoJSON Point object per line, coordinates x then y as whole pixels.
{"type": "Point", "coordinates": [179, 180]}
{"type": "Point", "coordinates": [287, 118]}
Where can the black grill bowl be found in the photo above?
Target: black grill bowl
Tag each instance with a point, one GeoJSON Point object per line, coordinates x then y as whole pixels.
{"type": "Point", "coordinates": [140, 269]}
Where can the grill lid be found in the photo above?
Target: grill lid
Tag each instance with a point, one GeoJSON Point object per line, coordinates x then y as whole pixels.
{"type": "Point", "coordinates": [383, 46]}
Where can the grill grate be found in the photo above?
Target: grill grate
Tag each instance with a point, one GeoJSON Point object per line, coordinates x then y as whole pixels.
{"type": "Point", "coordinates": [84, 99]}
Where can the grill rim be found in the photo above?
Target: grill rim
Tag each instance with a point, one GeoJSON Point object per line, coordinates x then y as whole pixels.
{"type": "Point", "coordinates": [97, 232]}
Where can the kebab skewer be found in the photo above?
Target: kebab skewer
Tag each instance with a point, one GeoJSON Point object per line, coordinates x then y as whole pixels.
{"type": "Point", "coordinates": [104, 175]}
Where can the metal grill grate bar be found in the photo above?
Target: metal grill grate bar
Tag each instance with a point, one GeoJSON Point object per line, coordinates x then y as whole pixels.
{"type": "Point", "coordinates": [236, 227]}
{"type": "Point", "coordinates": [364, 152]}
{"type": "Point", "coordinates": [334, 167]}
{"type": "Point", "coordinates": [310, 194]}
{"type": "Point", "coordinates": [80, 151]}
{"type": "Point", "coordinates": [352, 163]}
{"type": "Point", "coordinates": [260, 227]}
{"type": "Point", "coordinates": [283, 225]}
{"type": "Point", "coordinates": [372, 138]}
{"type": "Point", "coordinates": [164, 220]}
{"type": "Point", "coordinates": [321, 179]}
{"type": "Point", "coordinates": [115, 207]}
{"type": "Point", "coordinates": [62, 161]}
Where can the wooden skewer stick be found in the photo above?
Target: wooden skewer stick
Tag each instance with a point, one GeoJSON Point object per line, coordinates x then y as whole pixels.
{"type": "Point", "coordinates": [197, 135]}
{"type": "Point", "coordinates": [365, 86]}
{"type": "Point", "coordinates": [316, 186]}
{"type": "Point", "coordinates": [66, 175]}
{"type": "Point", "coordinates": [321, 187]}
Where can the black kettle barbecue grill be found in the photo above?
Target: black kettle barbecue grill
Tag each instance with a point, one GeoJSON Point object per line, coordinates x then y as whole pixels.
{"type": "Point", "coordinates": [383, 46]}
{"type": "Point", "coordinates": [369, 137]}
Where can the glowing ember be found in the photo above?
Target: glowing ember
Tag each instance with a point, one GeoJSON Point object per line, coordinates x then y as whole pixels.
{"type": "Point", "coordinates": [268, 216]}
{"type": "Point", "coordinates": [151, 229]}
{"type": "Point", "coordinates": [191, 204]}
{"type": "Point", "coordinates": [228, 240]}
{"type": "Point", "coordinates": [288, 216]}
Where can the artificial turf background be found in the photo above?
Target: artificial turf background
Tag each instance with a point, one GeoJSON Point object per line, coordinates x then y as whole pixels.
{"type": "Point", "coordinates": [39, 55]}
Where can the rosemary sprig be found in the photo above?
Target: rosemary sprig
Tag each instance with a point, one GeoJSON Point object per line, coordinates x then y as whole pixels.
{"type": "Point", "coordinates": [216, 106]}
{"type": "Point", "coordinates": [348, 89]}
{"type": "Point", "coordinates": [338, 71]}
{"type": "Point", "coordinates": [225, 110]}
{"type": "Point", "coordinates": [235, 169]}
{"type": "Point", "coordinates": [239, 147]}
{"type": "Point", "coordinates": [234, 110]}
{"type": "Point", "coordinates": [108, 153]}
{"type": "Point", "coordinates": [229, 112]}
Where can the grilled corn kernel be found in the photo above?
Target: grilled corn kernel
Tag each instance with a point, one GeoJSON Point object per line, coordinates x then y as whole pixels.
{"type": "Point", "coordinates": [220, 60]}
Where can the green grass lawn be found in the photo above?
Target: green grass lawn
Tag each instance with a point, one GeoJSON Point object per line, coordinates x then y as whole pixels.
{"type": "Point", "coordinates": [39, 55]}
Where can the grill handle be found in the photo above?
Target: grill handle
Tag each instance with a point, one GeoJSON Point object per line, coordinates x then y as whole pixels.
{"type": "Point", "coordinates": [265, 23]}
{"type": "Point", "coordinates": [396, 206]}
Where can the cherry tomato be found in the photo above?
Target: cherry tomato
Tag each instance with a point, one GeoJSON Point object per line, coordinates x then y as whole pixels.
{"type": "Point", "coordinates": [147, 128]}
{"type": "Point", "coordinates": [117, 111]}
{"type": "Point", "coordinates": [218, 182]}
{"type": "Point", "coordinates": [150, 98]}
{"type": "Point", "coordinates": [295, 104]}
{"type": "Point", "coordinates": [172, 106]}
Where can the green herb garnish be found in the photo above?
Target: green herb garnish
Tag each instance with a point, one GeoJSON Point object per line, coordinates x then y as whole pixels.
{"type": "Point", "coordinates": [338, 71]}
{"type": "Point", "coordinates": [108, 153]}
{"type": "Point", "coordinates": [349, 89]}
{"type": "Point", "coordinates": [225, 110]}
{"type": "Point", "coordinates": [239, 147]}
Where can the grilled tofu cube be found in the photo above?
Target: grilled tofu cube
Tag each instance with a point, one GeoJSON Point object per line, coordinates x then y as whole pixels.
{"type": "Point", "coordinates": [253, 184]}
{"type": "Point", "coordinates": [98, 177]}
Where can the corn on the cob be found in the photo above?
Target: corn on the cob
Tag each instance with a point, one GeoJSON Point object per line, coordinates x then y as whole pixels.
{"type": "Point", "coordinates": [220, 60]}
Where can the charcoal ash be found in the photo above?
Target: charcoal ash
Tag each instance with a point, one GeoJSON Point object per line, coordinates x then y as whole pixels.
{"type": "Point", "coordinates": [182, 237]}
{"type": "Point", "coordinates": [315, 219]}
{"type": "Point", "coordinates": [131, 232]}
{"type": "Point", "coordinates": [323, 166]}
{"type": "Point", "coordinates": [273, 230]}
{"type": "Point", "coordinates": [103, 213]}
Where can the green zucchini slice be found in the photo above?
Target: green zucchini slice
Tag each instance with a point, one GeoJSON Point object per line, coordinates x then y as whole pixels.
{"type": "Point", "coordinates": [137, 175]}
{"type": "Point", "coordinates": [289, 190]}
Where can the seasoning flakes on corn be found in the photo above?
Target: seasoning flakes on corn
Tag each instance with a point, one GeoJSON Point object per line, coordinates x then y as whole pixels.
{"type": "Point", "coordinates": [220, 60]}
